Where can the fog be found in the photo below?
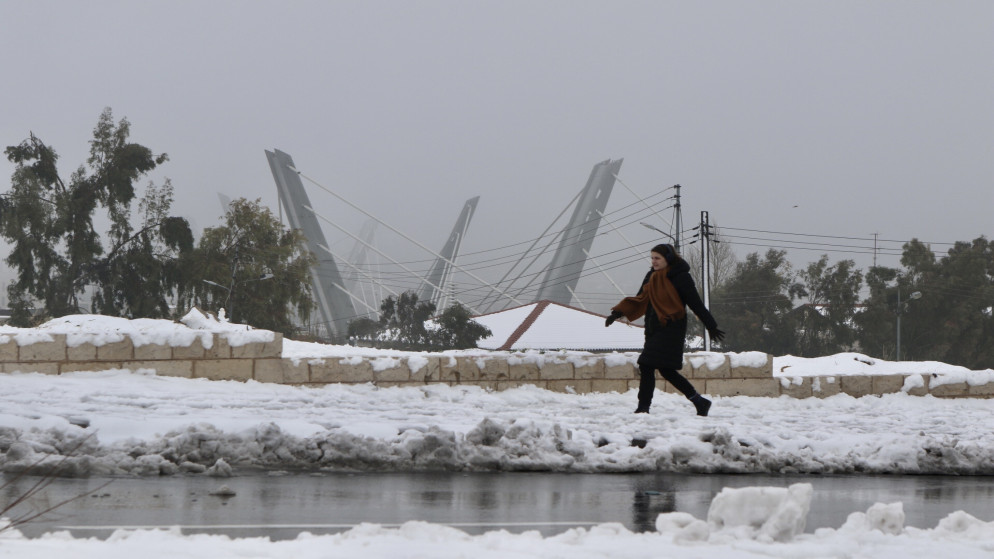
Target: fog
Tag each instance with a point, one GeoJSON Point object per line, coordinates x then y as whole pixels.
{"type": "Point", "coordinates": [825, 118]}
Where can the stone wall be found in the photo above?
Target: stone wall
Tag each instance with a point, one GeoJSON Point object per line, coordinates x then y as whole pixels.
{"type": "Point", "coordinates": [712, 374]}
{"type": "Point", "coordinates": [219, 362]}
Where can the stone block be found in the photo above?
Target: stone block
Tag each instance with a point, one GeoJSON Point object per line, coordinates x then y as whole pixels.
{"type": "Point", "coordinates": [220, 349]}
{"type": "Point", "coordinates": [334, 371]}
{"type": "Point", "coordinates": [954, 390]}
{"type": "Point", "coordinates": [527, 372]}
{"type": "Point", "coordinates": [920, 390]}
{"type": "Point", "coordinates": [823, 387]}
{"type": "Point", "coordinates": [259, 350]}
{"type": "Point", "coordinates": [223, 369]}
{"type": "Point", "coordinates": [446, 366]}
{"type": "Point", "coordinates": [54, 350]}
{"type": "Point", "coordinates": [633, 384]}
{"type": "Point", "coordinates": [552, 370]}
{"type": "Point", "coordinates": [281, 371]}
{"type": "Point", "coordinates": [193, 351]}
{"type": "Point", "coordinates": [163, 368]}
{"type": "Point", "coordinates": [793, 389]}
{"type": "Point", "coordinates": [45, 368]}
{"type": "Point", "coordinates": [591, 369]}
{"type": "Point", "coordinates": [412, 375]}
{"type": "Point", "coordinates": [8, 350]}
{"type": "Point", "coordinates": [75, 366]}
{"type": "Point", "coordinates": [495, 369]}
{"type": "Point", "coordinates": [507, 384]}
{"type": "Point", "coordinates": [394, 383]}
{"type": "Point", "coordinates": [464, 369]}
{"type": "Point", "coordinates": [668, 388]}
{"type": "Point", "coordinates": [623, 371]}
{"type": "Point", "coordinates": [82, 352]}
{"type": "Point", "coordinates": [982, 390]}
{"type": "Point", "coordinates": [153, 352]}
{"type": "Point", "coordinates": [609, 385]}
{"type": "Point", "coordinates": [430, 372]}
{"type": "Point", "coordinates": [742, 371]}
{"type": "Point", "coordinates": [116, 351]}
{"type": "Point", "coordinates": [856, 386]}
{"type": "Point", "coordinates": [763, 388]}
{"type": "Point", "coordinates": [710, 365]}
{"type": "Point", "coordinates": [399, 373]}
{"type": "Point", "coordinates": [488, 385]}
{"type": "Point", "coordinates": [887, 384]}
{"type": "Point", "coordinates": [571, 386]}
{"type": "Point", "coordinates": [687, 370]}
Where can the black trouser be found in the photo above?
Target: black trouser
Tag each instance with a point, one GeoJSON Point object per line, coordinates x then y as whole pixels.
{"type": "Point", "coordinates": [647, 384]}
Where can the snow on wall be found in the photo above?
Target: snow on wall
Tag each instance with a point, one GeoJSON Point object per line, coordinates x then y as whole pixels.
{"type": "Point", "coordinates": [748, 373]}
{"type": "Point", "coordinates": [101, 330]}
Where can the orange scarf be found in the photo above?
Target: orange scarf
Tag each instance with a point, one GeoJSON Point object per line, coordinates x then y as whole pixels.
{"type": "Point", "coordinates": [660, 292]}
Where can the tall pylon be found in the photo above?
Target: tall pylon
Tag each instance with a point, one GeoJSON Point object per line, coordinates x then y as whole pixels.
{"type": "Point", "coordinates": [567, 264]}
{"type": "Point", "coordinates": [439, 272]}
{"type": "Point", "coordinates": [335, 307]}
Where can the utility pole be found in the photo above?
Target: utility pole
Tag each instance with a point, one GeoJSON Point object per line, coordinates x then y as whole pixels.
{"type": "Point", "coordinates": [678, 219]}
{"type": "Point", "coordinates": [706, 271]}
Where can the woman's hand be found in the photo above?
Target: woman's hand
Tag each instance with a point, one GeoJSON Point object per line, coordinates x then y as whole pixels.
{"type": "Point", "coordinates": [716, 334]}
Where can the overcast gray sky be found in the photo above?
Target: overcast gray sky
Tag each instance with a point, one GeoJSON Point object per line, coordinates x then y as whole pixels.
{"type": "Point", "coordinates": [834, 118]}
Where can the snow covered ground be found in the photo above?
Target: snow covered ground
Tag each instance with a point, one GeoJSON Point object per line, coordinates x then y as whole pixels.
{"type": "Point", "coordinates": [145, 424]}
{"type": "Point", "coordinates": [121, 422]}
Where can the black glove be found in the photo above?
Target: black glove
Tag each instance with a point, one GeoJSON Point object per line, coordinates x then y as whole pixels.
{"type": "Point", "coordinates": [614, 316]}
{"type": "Point", "coordinates": [716, 334]}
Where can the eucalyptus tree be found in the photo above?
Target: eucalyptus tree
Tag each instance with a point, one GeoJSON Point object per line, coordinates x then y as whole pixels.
{"type": "Point", "coordinates": [253, 267]}
{"type": "Point", "coordinates": [753, 304]}
{"type": "Point", "coordinates": [949, 320]}
{"type": "Point", "coordinates": [830, 295]}
{"type": "Point", "coordinates": [57, 251]}
{"type": "Point", "coordinates": [964, 293]}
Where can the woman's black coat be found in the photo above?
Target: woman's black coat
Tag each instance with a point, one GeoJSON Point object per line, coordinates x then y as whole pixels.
{"type": "Point", "coordinates": [664, 342]}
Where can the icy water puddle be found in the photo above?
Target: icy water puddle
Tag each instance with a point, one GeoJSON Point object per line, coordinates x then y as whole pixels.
{"type": "Point", "coordinates": [284, 505]}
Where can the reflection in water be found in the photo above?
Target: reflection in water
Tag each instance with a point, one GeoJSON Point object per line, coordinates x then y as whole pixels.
{"type": "Point", "coordinates": [653, 496]}
{"type": "Point", "coordinates": [478, 502]}
{"type": "Point", "coordinates": [434, 498]}
{"type": "Point", "coordinates": [980, 488]}
{"type": "Point", "coordinates": [485, 500]}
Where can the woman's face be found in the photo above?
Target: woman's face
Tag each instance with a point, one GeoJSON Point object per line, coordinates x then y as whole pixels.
{"type": "Point", "coordinates": [658, 262]}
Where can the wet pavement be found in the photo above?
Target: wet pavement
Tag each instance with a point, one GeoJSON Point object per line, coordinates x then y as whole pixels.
{"type": "Point", "coordinates": [284, 505]}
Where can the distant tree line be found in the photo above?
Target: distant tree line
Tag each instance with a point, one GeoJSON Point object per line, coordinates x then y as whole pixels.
{"type": "Point", "coordinates": [764, 305]}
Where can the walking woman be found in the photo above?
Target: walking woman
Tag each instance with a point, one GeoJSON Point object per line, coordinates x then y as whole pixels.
{"type": "Point", "coordinates": [666, 291]}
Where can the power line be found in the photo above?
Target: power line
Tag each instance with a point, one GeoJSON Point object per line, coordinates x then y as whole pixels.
{"type": "Point", "coordinates": [832, 245]}
{"type": "Point", "coordinates": [821, 249]}
{"type": "Point", "coordinates": [832, 236]}
{"type": "Point", "coordinates": [527, 241]}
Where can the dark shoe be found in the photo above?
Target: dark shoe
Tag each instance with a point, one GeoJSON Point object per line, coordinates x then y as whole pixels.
{"type": "Point", "coordinates": [642, 409]}
{"type": "Point", "coordinates": [702, 404]}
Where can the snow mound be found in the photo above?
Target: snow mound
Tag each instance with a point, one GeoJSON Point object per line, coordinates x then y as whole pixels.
{"type": "Point", "coordinates": [120, 423]}
{"type": "Point", "coordinates": [101, 330]}
{"type": "Point", "coordinates": [762, 513]}
{"type": "Point", "coordinates": [887, 518]}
